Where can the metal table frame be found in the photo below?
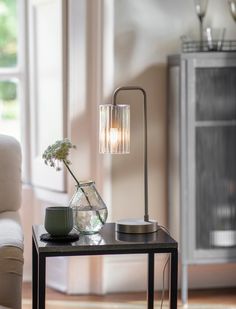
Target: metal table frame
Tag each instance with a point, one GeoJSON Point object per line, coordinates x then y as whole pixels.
{"type": "Point", "coordinates": [150, 244]}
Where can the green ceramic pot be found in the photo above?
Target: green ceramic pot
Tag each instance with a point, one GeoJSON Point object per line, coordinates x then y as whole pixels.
{"type": "Point", "coordinates": [58, 220]}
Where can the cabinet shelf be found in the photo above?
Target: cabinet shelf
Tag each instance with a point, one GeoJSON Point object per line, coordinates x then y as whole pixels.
{"type": "Point", "coordinates": [215, 123]}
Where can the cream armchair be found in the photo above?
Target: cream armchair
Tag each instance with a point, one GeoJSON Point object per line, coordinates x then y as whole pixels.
{"type": "Point", "coordinates": [11, 235]}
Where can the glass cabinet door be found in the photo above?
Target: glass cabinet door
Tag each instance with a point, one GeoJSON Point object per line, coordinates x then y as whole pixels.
{"type": "Point", "coordinates": [215, 157]}
{"type": "Point", "coordinates": [215, 186]}
{"type": "Point", "coordinates": [215, 93]}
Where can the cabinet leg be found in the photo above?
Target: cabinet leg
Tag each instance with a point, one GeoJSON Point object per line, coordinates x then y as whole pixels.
{"type": "Point", "coordinates": [184, 284]}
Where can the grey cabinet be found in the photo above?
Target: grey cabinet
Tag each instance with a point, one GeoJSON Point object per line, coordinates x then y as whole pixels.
{"type": "Point", "coordinates": [202, 157]}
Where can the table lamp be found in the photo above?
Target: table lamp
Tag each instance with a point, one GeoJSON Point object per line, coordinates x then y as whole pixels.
{"type": "Point", "coordinates": [114, 138]}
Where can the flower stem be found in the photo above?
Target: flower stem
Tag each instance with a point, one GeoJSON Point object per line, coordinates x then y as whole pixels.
{"type": "Point", "coordinates": [67, 166]}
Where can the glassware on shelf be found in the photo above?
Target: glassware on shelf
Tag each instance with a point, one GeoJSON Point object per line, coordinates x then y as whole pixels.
{"type": "Point", "coordinates": [223, 233]}
{"type": "Point", "coordinates": [200, 8]}
{"type": "Point", "coordinates": [89, 210]}
{"type": "Point", "coordinates": [232, 8]}
{"type": "Point", "coordinates": [214, 38]}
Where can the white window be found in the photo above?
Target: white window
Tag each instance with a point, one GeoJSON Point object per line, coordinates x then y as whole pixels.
{"type": "Point", "coordinates": [13, 95]}
{"type": "Point", "coordinates": [48, 89]}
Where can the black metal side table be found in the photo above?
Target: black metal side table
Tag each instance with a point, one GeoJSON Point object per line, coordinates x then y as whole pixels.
{"type": "Point", "coordinates": [110, 242]}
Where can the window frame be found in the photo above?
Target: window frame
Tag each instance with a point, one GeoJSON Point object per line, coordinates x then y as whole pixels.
{"type": "Point", "coordinates": [20, 73]}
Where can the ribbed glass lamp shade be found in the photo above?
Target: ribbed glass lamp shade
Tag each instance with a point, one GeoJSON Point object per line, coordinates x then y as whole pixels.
{"type": "Point", "coordinates": [114, 130]}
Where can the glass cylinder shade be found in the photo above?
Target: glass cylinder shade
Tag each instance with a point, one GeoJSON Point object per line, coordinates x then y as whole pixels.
{"type": "Point", "coordinates": [114, 131]}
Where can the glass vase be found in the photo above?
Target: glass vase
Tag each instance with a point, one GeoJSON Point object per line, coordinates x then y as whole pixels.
{"type": "Point", "coordinates": [89, 210]}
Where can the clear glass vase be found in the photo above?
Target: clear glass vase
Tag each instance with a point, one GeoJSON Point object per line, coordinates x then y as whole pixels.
{"type": "Point", "coordinates": [89, 210]}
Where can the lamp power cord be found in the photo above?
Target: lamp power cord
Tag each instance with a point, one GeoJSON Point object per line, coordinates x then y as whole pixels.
{"type": "Point", "coordinates": [164, 269]}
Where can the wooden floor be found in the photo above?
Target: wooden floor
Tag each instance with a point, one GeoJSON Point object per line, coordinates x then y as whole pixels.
{"type": "Point", "coordinates": [216, 296]}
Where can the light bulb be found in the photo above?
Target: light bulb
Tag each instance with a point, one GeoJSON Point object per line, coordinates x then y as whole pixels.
{"type": "Point", "coordinates": [113, 136]}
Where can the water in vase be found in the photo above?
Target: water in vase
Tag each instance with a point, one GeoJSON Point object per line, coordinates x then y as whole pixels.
{"type": "Point", "coordinates": [89, 220]}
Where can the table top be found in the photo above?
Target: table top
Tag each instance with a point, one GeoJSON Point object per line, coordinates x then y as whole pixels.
{"type": "Point", "coordinates": [107, 241]}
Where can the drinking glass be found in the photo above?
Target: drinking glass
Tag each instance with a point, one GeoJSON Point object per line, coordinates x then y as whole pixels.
{"type": "Point", "coordinates": [214, 38]}
{"type": "Point", "coordinates": [232, 7]}
{"type": "Point", "coordinates": [200, 8]}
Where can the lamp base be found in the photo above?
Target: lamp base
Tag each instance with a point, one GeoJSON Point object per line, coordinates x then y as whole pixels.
{"type": "Point", "coordinates": [136, 226]}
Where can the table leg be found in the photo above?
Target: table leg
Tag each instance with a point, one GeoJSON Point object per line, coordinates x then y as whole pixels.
{"type": "Point", "coordinates": [34, 275]}
{"type": "Point", "coordinates": [150, 290]}
{"type": "Point", "coordinates": [174, 279]}
{"type": "Point", "coordinates": [41, 281]}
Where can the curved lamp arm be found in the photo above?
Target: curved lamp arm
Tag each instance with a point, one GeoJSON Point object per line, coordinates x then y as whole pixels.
{"type": "Point", "coordinates": [114, 97]}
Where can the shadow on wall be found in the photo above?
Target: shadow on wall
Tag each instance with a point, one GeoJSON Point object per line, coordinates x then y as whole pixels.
{"type": "Point", "coordinates": [127, 170]}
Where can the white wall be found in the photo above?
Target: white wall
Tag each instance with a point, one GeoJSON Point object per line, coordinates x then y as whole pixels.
{"type": "Point", "coordinates": [145, 33]}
